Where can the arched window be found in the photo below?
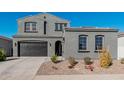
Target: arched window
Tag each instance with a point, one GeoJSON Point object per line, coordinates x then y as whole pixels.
{"type": "Point", "coordinates": [83, 42]}
{"type": "Point", "coordinates": [99, 42]}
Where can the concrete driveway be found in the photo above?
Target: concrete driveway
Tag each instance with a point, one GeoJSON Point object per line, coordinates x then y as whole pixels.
{"type": "Point", "coordinates": [23, 68]}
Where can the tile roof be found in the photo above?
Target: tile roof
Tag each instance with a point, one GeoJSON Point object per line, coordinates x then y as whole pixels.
{"type": "Point", "coordinates": [5, 38]}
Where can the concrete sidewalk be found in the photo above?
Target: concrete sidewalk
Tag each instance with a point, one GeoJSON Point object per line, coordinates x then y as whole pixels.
{"type": "Point", "coordinates": [81, 77]}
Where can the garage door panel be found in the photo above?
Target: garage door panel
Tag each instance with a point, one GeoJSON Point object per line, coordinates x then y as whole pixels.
{"type": "Point", "coordinates": [33, 49]}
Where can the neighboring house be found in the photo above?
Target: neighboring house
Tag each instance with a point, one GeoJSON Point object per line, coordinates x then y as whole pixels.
{"type": "Point", "coordinates": [46, 35]}
{"type": "Point", "coordinates": [120, 45]}
{"type": "Point", "coordinates": [6, 45]}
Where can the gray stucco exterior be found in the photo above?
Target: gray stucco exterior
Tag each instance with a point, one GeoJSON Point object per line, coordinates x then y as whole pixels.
{"type": "Point", "coordinates": [51, 35]}
{"type": "Point", "coordinates": [72, 43]}
{"type": "Point", "coordinates": [69, 37]}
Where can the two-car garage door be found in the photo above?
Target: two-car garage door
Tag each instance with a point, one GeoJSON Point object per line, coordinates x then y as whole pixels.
{"type": "Point", "coordinates": [32, 49]}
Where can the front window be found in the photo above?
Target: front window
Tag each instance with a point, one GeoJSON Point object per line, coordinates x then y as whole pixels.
{"type": "Point", "coordinates": [30, 26]}
{"type": "Point", "coordinates": [83, 42]}
{"type": "Point", "coordinates": [99, 42]}
{"type": "Point", "coordinates": [60, 26]}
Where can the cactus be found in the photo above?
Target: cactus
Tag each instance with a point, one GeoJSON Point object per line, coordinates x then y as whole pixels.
{"type": "Point", "coordinates": [105, 58]}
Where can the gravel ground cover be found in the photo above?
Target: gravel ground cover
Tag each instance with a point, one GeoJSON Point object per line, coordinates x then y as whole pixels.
{"type": "Point", "coordinates": [49, 68]}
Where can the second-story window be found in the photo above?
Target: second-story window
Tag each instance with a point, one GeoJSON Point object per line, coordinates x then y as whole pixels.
{"type": "Point", "coordinates": [60, 26]}
{"type": "Point", "coordinates": [30, 26]}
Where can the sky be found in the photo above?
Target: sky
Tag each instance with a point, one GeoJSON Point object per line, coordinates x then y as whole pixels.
{"type": "Point", "coordinates": [8, 20]}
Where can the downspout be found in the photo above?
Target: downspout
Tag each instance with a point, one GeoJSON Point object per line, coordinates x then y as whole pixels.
{"type": "Point", "coordinates": [63, 41]}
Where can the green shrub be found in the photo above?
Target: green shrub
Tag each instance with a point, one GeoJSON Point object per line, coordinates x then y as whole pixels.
{"type": "Point", "coordinates": [87, 61]}
{"type": "Point", "coordinates": [122, 61]}
{"type": "Point", "coordinates": [72, 62]}
{"type": "Point", "coordinates": [54, 58]}
{"type": "Point", "coordinates": [2, 55]}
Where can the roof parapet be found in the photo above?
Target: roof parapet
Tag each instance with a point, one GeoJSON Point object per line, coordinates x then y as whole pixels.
{"type": "Point", "coordinates": [91, 29]}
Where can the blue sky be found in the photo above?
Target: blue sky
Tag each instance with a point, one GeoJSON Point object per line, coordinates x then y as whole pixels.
{"type": "Point", "coordinates": [8, 23]}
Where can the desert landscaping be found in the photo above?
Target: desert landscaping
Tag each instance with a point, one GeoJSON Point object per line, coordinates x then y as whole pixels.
{"type": "Point", "coordinates": [104, 65]}
{"type": "Point", "coordinates": [49, 68]}
{"type": "Point", "coordinates": [63, 69]}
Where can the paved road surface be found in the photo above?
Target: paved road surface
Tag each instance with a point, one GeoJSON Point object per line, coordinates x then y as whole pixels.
{"type": "Point", "coordinates": [81, 77]}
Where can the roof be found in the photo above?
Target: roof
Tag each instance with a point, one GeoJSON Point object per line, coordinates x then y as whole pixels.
{"type": "Point", "coordinates": [90, 29]}
{"type": "Point", "coordinates": [5, 38]}
{"type": "Point", "coordinates": [120, 34]}
{"type": "Point", "coordinates": [25, 36]}
{"type": "Point", "coordinates": [41, 14]}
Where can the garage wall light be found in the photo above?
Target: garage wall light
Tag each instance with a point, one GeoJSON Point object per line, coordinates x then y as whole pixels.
{"type": "Point", "coordinates": [50, 44]}
{"type": "Point", "coordinates": [63, 40]}
{"type": "Point", "coordinates": [15, 44]}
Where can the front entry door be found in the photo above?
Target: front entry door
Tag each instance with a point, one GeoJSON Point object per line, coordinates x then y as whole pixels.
{"type": "Point", "coordinates": [58, 48]}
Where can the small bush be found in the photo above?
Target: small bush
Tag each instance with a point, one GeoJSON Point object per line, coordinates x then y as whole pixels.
{"type": "Point", "coordinates": [105, 58]}
{"type": "Point", "coordinates": [54, 58]}
{"type": "Point", "coordinates": [122, 61]}
{"type": "Point", "coordinates": [72, 62]}
{"type": "Point", "coordinates": [87, 61]}
{"type": "Point", "coordinates": [2, 55]}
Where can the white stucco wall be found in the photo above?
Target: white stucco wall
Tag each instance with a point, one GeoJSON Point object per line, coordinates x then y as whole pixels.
{"type": "Point", "coordinates": [120, 47]}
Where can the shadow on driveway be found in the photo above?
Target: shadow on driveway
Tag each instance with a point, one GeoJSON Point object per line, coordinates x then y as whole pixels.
{"type": "Point", "coordinates": [9, 59]}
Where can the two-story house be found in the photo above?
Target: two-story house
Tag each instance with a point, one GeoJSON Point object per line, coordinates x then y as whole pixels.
{"type": "Point", "coordinates": [39, 35]}
{"type": "Point", "coordinates": [45, 35]}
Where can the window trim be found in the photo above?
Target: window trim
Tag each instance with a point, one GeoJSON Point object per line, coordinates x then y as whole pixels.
{"type": "Point", "coordinates": [31, 27]}
{"type": "Point", "coordinates": [61, 25]}
{"type": "Point", "coordinates": [103, 37]}
{"type": "Point", "coordinates": [83, 50]}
